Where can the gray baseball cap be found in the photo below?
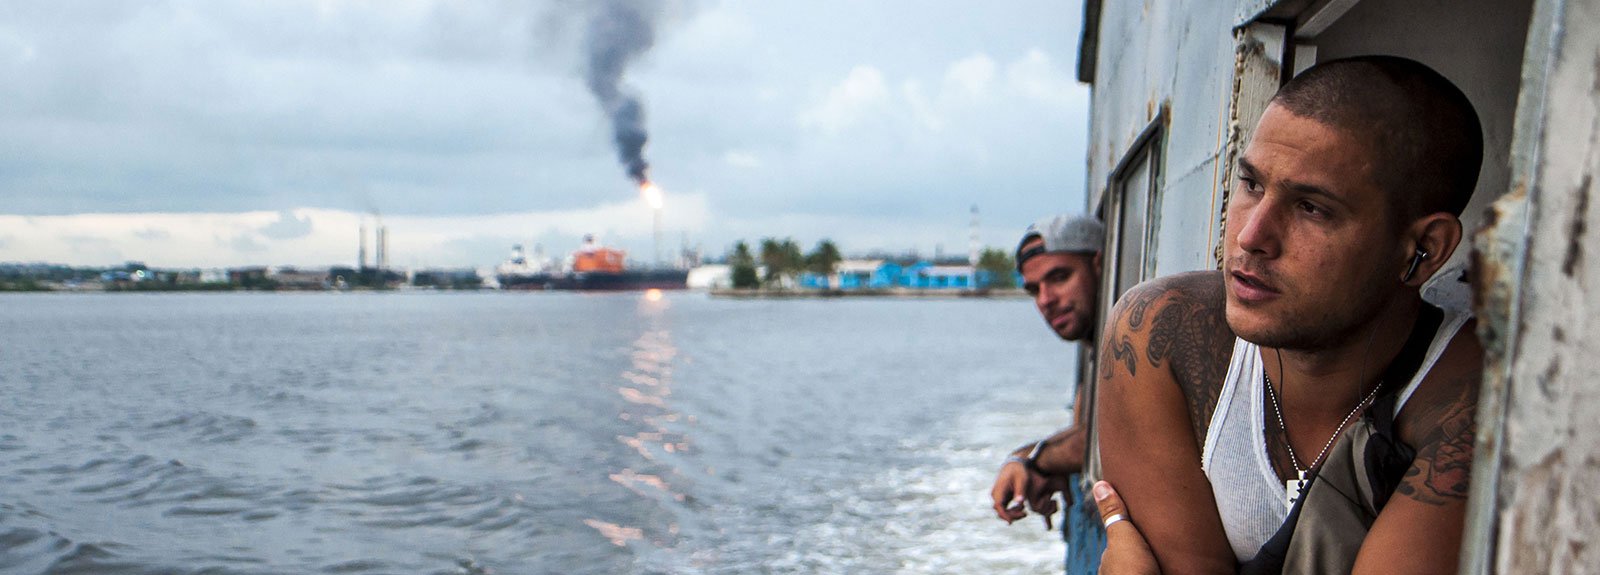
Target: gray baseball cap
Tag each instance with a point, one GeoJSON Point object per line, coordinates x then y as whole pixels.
{"type": "Point", "coordinates": [1063, 233]}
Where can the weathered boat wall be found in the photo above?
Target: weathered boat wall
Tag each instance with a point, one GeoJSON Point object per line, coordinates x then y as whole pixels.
{"type": "Point", "coordinates": [1537, 468]}
{"type": "Point", "coordinates": [1167, 65]}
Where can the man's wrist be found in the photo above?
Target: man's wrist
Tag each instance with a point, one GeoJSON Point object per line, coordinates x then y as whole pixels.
{"type": "Point", "coordinates": [1033, 456]}
{"type": "Point", "coordinates": [1028, 456]}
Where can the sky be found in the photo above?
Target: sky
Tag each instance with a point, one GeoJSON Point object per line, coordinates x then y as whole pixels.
{"type": "Point", "coordinates": [210, 133]}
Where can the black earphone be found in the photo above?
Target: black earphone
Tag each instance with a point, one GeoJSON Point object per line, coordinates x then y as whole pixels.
{"type": "Point", "coordinates": [1416, 260]}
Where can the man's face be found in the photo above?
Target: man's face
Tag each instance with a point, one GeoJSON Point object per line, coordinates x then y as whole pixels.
{"type": "Point", "coordinates": [1309, 241]}
{"type": "Point", "coordinates": [1064, 286]}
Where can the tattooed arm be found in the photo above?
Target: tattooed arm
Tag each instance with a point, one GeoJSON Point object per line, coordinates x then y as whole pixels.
{"type": "Point", "coordinates": [1420, 529]}
{"type": "Point", "coordinates": [1164, 354]}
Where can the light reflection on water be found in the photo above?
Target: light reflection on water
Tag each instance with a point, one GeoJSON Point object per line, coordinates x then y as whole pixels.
{"type": "Point", "coordinates": [647, 386]}
{"type": "Point", "coordinates": [516, 433]}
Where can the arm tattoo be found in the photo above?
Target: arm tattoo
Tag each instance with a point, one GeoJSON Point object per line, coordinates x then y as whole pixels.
{"type": "Point", "coordinates": [1442, 471]}
{"type": "Point", "coordinates": [1118, 347]}
{"type": "Point", "coordinates": [1136, 311]}
{"type": "Point", "coordinates": [1199, 349]}
{"type": "Point", "coordinates": [1120, 351]}
{"type": "Point", "coordinates": [1164, 331]}
{"type": "Point", "coordinates": [1188, 335]}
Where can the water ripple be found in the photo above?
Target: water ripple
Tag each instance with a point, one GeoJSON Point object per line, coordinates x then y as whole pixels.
{"type": "Point", "coordinates": [464, 435]}
{"type": "Point", "coordinates": [208, 427]}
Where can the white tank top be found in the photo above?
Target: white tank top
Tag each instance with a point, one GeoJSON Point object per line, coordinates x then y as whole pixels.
{"type": "Point", "coordinates": [1248, 493]}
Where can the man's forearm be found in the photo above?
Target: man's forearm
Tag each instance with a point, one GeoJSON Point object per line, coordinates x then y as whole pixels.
{"type": "Point", "coordinates": [1060, 454]}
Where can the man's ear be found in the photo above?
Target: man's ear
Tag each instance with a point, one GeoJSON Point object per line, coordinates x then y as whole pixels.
{"type": "Point", "coordinates": [1437, 234]}
{"type": "Point", "coordinates": [1098, 272]}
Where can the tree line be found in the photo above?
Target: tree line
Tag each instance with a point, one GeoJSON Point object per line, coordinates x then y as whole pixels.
{"type": "Point", "coordinates": [784, 260]}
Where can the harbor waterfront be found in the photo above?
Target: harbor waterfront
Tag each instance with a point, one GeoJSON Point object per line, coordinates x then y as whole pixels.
{"type": "Point", "coordinates": [735, 293]}
{"type": "Point", "coordinates": [479, 432]}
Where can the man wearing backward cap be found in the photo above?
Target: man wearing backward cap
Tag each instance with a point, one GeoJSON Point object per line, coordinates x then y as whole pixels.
{"type": "Point", "coordinates": [1059, 259]}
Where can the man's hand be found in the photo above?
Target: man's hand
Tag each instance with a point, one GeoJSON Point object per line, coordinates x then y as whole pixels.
{"type": "Point", "coordinates": [1008, 492]}
{"type": "Point", "coordinates": [1126, 551]}
{"type": "Point", "coordinates": [1017, 485]}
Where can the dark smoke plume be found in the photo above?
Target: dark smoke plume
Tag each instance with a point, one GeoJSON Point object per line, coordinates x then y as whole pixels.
{"type": "Point", "coordinates": [619, 32]}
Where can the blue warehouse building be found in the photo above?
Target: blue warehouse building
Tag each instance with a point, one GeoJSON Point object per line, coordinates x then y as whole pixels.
{"type": "Point", "coordinates": [883, 274]}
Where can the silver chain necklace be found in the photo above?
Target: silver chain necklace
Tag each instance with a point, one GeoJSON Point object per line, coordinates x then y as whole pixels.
{"type": "Point", "coordinates": [1293, 487]}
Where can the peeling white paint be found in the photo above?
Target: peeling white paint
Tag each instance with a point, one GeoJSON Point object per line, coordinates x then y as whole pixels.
{"type": "Point", "coordinates": [1537, 512]}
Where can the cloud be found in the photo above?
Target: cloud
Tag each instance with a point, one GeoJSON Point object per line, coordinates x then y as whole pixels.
{"type": "Point", "coordinates": [234, 239]}
{"type": "Point", "coordinates": [287, 227]}
{"type": "Point", "coordinates": [246, 243]}
{"type": "Point", "coordinates": [740, 159]}
{"type": "Point", "coordinates": [862, 93]}
{"type": "Point", "coordinates": [209, 120]}
{"type": "Point", "coordinates": [178, 107]}
{"type": "Point", "coordinates": [970, 77]}
{"type": "Point", "coordinates": [966, 91]}
{"type": "Point", "coordinates": [86, 246]}
{"type": "Point", "coordinates": [924, 109]}
{"type": "Point", "coordinates": [1036, 76]}
{"type": "Point", "coordinates": [152, 234]}
{"type": "Point", "coordinates": [15, 48]}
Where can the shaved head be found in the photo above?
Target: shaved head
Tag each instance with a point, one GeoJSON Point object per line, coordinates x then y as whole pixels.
{"type": "Point", "coordinates": [1425, 136]}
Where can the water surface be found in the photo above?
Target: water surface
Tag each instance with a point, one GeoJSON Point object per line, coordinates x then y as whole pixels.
{"type": "Point", "coordinates": [516, 433]}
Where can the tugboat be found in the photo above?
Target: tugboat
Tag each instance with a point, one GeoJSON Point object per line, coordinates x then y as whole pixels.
{"type": "Point", "coordinates": [591, 268]}
{"type": "Point", "coordinates": [520, 273]}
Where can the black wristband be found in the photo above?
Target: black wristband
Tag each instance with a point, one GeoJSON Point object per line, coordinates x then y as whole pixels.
{"type": "Point", "coordinates": [1032, 460]}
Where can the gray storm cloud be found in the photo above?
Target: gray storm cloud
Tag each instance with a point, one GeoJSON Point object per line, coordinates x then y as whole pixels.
{"type": "Point", "coordinates": [619, 32]}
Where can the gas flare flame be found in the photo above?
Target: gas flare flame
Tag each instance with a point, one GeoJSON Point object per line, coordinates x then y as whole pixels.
{"type": "Point", "coordinates": [651, 194]}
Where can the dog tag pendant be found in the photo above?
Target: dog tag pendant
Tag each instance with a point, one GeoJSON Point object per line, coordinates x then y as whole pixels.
{"type": "Point", "coordinates": [1291, 490]}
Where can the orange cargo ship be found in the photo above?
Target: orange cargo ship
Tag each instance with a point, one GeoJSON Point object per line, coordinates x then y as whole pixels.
{"type": "Point", "coordinates": [597, 268]}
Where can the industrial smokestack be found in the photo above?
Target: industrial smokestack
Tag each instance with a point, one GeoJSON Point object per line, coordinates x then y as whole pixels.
{"type": "Point", "coordinates": [619, 32]}
{"type": "Point", "coordinates": [361, 253]}
{"type": "Point", "coordinates": [383, 247]}
{"type": "Point", "coordinates": [974, 243]}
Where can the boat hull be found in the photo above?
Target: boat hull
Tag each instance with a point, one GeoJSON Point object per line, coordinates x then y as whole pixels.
{"type": "Point", "coordinates": [628, 280]}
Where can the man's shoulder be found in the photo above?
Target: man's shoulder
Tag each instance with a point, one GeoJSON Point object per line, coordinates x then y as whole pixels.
{"type": "Point", "coordinates": [1189, 304]}
{"type": "Point", "coordinates": [1202, 290]}
{"type": "Point", "coordinates": [1440, 421]}
{"type": "Point", "coordinates": [1174, 325]}
{"type": "Point", "coordinates": [1452, 380]}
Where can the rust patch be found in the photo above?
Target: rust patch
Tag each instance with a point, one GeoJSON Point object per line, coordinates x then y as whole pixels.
{"type": "Point", "coordinates": [1491, 216]}
{"type": "Point", "coordinates": [1595, 87]}
{"type": "Point", "coordinates": [1547, 380]}
{"type": "Point", "coordinates": [1539, 490]}
{"type": "Point", "coordinates": [1492, 257]}
{"type": "Point", "coordinates": [1577, 229]}
{"type": "Point", "coordinates": [1483, 276]}
{"type": "Point", "coordinates": [1495, 249]}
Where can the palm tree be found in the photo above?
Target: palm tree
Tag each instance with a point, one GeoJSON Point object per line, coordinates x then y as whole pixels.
{"type": "Point", "coordinates": [824, 260]}
{"type": "Point", "coordinates": [744, 266]}
{"type": "Point", "coordinates": [782, 259]}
